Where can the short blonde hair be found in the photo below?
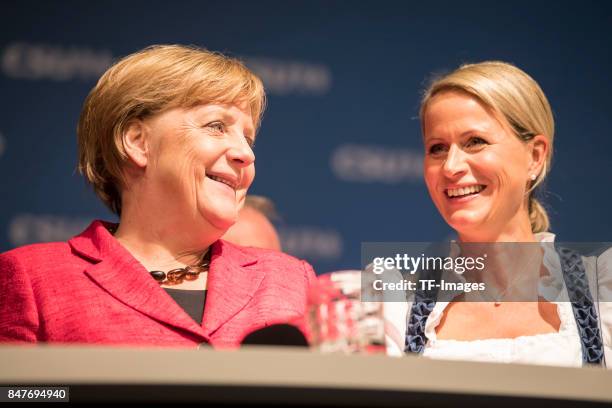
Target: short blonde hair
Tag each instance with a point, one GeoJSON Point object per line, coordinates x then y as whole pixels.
{"type": "Point", "coordinates": [512, 93]}
{"type": "Point", "coordinates": [146, 83]}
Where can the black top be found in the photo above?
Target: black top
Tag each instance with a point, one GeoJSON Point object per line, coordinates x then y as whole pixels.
{"type": "Point", "coordinates": [192, 301]}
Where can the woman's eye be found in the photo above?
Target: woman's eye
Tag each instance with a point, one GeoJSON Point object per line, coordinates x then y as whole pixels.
{"type": "Point", "coordinates": [475, 142]}
{"type": "Point", "coordinates": [436, 148]}
{"type": "Point", "coordinates": [216, 126]}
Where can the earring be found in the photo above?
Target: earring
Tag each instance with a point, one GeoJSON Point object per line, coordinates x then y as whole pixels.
{"type": "Point", "coordinates": [533, 177]}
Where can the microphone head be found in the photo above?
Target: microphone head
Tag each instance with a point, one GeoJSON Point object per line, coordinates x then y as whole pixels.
{"type": "Point", "coordinates": [276, 335]}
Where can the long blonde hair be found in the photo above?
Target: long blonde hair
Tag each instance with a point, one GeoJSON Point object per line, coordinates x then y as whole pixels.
{"type": "Point", "coordinates": [512, 93]}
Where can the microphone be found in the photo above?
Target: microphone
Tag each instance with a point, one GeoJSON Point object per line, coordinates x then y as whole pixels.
{"type": "Point", "coordinates": [276, 335]}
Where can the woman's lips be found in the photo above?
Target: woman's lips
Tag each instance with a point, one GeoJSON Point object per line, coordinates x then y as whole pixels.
{"type": "Point", "coordinates": [224, 180]}
{"type": "Point", "coordinates": [222, 184]}
{"type": "Point", "coordinates": [464, 193]}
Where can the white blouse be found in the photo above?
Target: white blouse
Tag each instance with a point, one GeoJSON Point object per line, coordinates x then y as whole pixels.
{"type": "Point", "coordinates": [558, 349]}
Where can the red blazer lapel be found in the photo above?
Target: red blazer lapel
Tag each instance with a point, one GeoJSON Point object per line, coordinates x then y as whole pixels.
{"type": "Point", "coordinates": [233, 279]}
{"type": "Point", "coordinates": [122, 276]}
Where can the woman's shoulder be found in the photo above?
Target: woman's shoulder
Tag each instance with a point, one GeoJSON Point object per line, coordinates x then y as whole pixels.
{"type": "Point", "coordinates": [35, 254]}
{"type": "Point", "coordinates": [36, 262]}
{"type": "Point", "coordinates": [268, 259]}
{"type": "Point", "coordinates": [52, 253]}
{"type": "Point", "coordinates": [270, 255]}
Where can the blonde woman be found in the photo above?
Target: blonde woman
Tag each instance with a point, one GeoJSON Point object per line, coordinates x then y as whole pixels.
{"type": "Point", "coordinates": [166, 139]}
{"type": "Point", "coordinates": [488, 134]}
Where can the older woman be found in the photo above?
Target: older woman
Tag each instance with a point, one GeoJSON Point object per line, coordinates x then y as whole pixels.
{"type": "Point", "coordinates": [166, 139]}
{"type": "Point", "coordinates": [488, 134]}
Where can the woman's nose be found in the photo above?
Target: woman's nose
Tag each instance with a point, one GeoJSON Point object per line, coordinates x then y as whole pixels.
{"type": "Point", "coordinates": [241, 153]}
{"type": "Point", "coordinates": [455, 163]}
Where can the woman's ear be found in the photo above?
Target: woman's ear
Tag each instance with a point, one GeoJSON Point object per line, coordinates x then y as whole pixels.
{"type": "Point", "coordinates": [539, 152]}
{"type": "Point", "coordinates": [135, 143]}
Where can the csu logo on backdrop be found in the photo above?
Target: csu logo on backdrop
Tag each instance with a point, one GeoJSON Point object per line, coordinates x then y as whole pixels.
{"type": "Point", "coordinates": [23, 60]}
{"type": "Point", "coordinates": [370, 164]}
{"type": "Point", "coordinates": [32, 228]}
{"type": "Point", "coordinates": [38, 61]}
{"type": "Point", "coordinates": [291, 77]}
{"type": "Point", "coordinates": [311, 242]}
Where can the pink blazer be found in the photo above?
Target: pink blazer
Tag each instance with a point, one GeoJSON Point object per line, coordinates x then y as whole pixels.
{"type": "Point", "coordinates": [91, 290]}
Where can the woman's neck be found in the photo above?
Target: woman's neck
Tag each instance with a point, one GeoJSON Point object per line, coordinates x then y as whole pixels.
{"type": "Point", "coordinates": [513, 256]}
{"type": "Point", "coordinates": [517, 229]}
{"type": "Point", "coordinates": [155, 253]}
{"type": "Point", "coordinates": [506, 264]}
{"type": "Point", "coordinates": [159, 239]}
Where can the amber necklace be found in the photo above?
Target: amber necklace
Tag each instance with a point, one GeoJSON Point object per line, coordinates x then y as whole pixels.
{"type": "Point", "coordinates": [178, 275]}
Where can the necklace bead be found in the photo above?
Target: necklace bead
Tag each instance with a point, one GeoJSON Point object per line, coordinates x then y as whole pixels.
{"type": "Point", "coordinates": [177, 275]}
{"type": "Point", "coordinates": [159, 276]}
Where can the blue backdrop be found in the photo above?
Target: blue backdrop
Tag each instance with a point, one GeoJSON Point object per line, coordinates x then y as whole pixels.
{"type": "Point", "coordinates": [340, 149]}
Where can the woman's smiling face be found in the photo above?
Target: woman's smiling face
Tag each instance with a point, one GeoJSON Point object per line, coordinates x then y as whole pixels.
{"type": "Point", "coordinates": [202, 162]}
{"type": "Point", "coordinates": [476, 169]}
